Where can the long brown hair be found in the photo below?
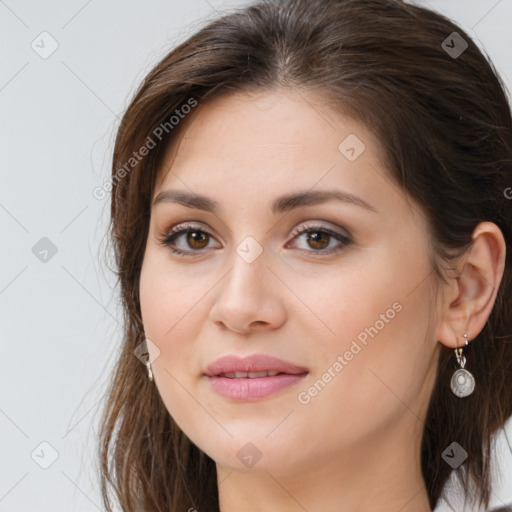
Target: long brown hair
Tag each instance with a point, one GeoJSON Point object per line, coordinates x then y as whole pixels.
{"type": "Point", "coordinates": [439, 108]}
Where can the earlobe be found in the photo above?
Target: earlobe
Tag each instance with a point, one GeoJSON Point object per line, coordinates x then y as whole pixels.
{"type": "Point", "coordinates": [471, 295]}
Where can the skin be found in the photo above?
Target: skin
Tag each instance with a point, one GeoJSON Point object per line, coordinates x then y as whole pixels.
{"type": "Point", "coordinates": [356, 444]}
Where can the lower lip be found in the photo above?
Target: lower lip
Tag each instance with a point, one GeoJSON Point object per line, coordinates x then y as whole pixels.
{"type": "Point", "coordinates": [246, 389]}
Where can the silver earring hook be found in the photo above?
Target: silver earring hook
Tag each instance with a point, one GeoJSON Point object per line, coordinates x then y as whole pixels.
{"type": "Point", "coordinates": [150, 372]}
{"type": "Point", "coordinates": [458, 352]}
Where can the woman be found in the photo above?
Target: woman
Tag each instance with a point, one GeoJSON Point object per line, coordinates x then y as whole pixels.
{"type": "Point", "coordinates": [312, 223]}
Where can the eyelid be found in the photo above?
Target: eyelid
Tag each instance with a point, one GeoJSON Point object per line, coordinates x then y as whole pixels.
{"type": "Point", "coordinates": [301, 227]}
{"type": "Point", "coordinates": [319, 224]}
{"type": "Point", "coordinates": [178, 230]}
{"type": "Point", "coordinates": [184, 227]}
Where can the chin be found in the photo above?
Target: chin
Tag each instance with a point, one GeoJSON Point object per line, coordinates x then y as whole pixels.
{"type": "Point", "coordinates": [247, 453]}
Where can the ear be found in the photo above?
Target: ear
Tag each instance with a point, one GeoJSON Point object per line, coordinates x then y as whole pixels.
{"type": "Point", "coordinates": [469, 297]}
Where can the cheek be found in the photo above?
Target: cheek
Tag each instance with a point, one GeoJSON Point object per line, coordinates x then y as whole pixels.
{"type": "Point", "coordinates": [167, 308]}
{"type": "Point", "coordinates": [168, 298]}
{"type": "Point", "coordinates": [175, 306]}
{"type": "Point", "coordinates": [376, 318]}
{"type": "Point", "coordinates": [345, 300]}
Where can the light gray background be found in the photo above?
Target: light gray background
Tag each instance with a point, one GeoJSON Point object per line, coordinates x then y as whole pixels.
{"type": "Point", "coordinates": [60, 317]}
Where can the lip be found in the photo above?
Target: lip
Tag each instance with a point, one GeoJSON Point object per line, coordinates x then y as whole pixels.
{"type": "Point", "coordinates": [253, 363]}
{"type": "Point", "coordinates": [252, 388]}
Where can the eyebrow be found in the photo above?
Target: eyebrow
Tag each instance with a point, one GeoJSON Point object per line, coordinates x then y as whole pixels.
{"type": "Point", "coordinates": [281, 204]}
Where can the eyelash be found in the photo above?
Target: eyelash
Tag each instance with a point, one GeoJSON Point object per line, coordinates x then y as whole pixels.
{"type": "Point", "coordinates": [168, 239]}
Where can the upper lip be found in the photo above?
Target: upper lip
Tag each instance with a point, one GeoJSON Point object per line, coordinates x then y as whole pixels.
{"type": "Point", "coordinates": [253, 363]}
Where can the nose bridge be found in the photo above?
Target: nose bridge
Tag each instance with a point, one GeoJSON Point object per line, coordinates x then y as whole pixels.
{"type": "Point", "coordinates": [248, 265]}
{"type": "Point", "coordinates": [246, 297]}
{"type": "Point", "coordinates": [250, 248]}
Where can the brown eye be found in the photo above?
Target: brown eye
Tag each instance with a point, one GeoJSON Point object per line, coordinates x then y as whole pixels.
{"type": "Point", "coordinates": [196, 239]}
{"type": "Point", "coordinates": [318, 238]}
{"type": "Point", "coordinates": [191, 239]}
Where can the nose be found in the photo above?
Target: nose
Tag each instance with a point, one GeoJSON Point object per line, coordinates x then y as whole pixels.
{"type": "Point", "coordinates": [248, 298]}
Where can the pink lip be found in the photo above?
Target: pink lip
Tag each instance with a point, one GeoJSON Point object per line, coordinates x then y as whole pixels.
{"type": "Point", "coordinates": [246, 388]}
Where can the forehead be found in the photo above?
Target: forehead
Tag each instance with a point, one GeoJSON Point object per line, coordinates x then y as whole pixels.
{"type": "Point", "coordinates": [263, 134]}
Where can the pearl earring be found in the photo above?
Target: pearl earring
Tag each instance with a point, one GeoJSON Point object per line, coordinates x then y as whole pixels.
{"type": "Point", "coordinates": [463, 382]}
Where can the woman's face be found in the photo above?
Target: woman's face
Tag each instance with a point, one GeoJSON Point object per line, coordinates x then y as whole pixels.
{"type": "Point", "coordinates": [338, 288]}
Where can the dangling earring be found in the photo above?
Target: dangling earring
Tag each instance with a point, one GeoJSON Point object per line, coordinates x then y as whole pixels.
{"type": "Point", "coordinates": [148, 366]}
{"type": "Point", "coordinates": [462, 383]}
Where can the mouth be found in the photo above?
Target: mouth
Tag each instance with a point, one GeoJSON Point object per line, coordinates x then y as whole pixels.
{"type": "Point", "coordinates": [252, 378]}
{"type": "Point", "coordinates": [250, 375]}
